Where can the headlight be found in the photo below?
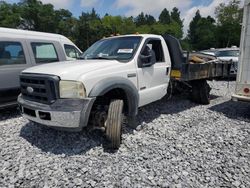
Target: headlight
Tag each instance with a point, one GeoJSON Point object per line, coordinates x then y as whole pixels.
{"type": "Point", "coordinates": [72, 90]}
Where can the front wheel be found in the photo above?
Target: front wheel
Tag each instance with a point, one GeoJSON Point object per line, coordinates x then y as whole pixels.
{"type": "Point", "coordinates": [113, 123]}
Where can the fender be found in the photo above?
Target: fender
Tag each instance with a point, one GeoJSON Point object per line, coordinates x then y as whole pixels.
{"type": "Point", "coordinates": [127, 86]}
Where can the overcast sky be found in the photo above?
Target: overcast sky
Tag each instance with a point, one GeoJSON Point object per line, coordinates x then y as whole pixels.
{"type": "Point", "coordinates": [134, 7]}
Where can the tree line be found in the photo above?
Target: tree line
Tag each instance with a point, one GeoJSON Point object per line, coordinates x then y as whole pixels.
{"type": "Point", "coordinates": [203, 33]}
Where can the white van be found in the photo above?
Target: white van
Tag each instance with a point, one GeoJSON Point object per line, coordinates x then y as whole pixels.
{"type": "Point", "coordinates": [20, 49]}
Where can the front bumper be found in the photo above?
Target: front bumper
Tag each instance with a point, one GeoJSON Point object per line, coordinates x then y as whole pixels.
{"type": "Point", "coordinates": [68, 114]}
{"type": "Point", "coordinates": [240, 98]}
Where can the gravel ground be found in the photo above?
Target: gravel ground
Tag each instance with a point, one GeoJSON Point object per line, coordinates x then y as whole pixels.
{"type": "Point", "coordinates": [177, 144]}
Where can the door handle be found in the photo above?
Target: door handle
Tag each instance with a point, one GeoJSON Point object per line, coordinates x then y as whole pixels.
{"type": "Point", "coordinates": [131, 75]}
{"type": "Point", "coordinates": [167, 71]}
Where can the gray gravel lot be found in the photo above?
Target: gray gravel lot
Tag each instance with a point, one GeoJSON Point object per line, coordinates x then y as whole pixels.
{"type": "Point", "coordinates": [177, 144]}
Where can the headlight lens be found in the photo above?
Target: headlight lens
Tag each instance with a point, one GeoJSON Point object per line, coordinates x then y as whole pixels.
{"type": "Point", "coordinates": [72, 90]}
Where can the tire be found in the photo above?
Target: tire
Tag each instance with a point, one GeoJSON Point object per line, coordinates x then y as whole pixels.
{"type": "Point", "coordinates": [201, 92]}
{"type": "Point", "coordinates": [169, 90]}
{"type": "Point", "coordinates": [195, 95]}
{"type": "Point", "coordinates": [204, 92]}
{"type": "Point", "coordinates": [114, 123]}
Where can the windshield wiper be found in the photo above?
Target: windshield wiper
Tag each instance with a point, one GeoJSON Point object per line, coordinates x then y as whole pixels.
{"type": "Point", "coordinates": [80, 57]}
{"type": "Point", "coordinates": [107, 58]}
{"type": "Point", "coordinates": [99, 57]}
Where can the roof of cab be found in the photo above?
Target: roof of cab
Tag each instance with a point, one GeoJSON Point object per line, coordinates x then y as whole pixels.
{"type": "Point", "coordinates": [134, 35]}
{"type": "Point", "coordinates": [30, 34]}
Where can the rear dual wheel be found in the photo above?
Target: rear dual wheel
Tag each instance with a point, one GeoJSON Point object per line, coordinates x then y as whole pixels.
{"type": "Point", "coordinates": [200, 92]}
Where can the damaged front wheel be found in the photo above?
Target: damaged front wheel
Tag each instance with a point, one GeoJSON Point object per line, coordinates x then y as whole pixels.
{"type": "Point", "coordinates": [113, 123]}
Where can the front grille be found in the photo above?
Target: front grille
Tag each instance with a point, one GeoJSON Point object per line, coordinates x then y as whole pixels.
{"type": "Point", "coordinates": [39, 88]}
{"type": "Point", "coordinates": [235, 66]}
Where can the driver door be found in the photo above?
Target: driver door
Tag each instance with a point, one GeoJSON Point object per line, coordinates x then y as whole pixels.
{"type": "Point", "coordinates": [153, 80]}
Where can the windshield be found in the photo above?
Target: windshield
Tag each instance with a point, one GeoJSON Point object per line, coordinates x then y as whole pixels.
{"type": "Point", "coordinates": [120, 48]}
{"type": "Point", "coordinates": [228, 53]}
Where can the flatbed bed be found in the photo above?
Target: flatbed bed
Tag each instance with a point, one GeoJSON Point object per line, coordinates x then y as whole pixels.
{"type": "Point", "coordinates": [193, 70]}
{"type": "Point", "coordinates": [207, 70]}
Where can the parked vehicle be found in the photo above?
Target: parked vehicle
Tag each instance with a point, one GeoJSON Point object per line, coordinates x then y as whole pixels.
{"type": "Point", "coordinates": [211, 51]}
{"type": "Point", "coordinates": [21, 49]}
{"type": "Point", "coordinates": [116, 76]}
{"type": "Point", "coordinates": [226, 54]}
{"type": "Point", "coordinates": [242, 90]}
{"type": "Point", "coordinates": [229, 54]}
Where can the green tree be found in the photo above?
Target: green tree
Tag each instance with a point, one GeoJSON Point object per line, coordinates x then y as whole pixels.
{"type": "Point", "coordinates": [149, 19]}
{"type": "Point", "coordinates": [66, 23]}
{"type": "Point", "coordinates": [205, 33]}
{"type": "Point", "coordinates": [202, 32]}
{"type": "Point", "coordinates": [144, 29]}
{"type": "Point", "coordinates": [164, 17]}
{"type": "Point", "coordinates": [9, 15]}
{"type": "Point", "coordinates": [140, 19]}
{"type": "Point", "coordinates": [185, 44]}
{"type": "Point", "coordinates": [143, 22]}
{"type": "Point", "coordinates": [118, 25]}
{"type": "Point", "coordinates": [128, 26]}
{"type": "Point", "coordinates": [192, 34]}
{"type": "Point", "coordinates": [37, 16]}
{"type": "Point", "coordinates": [174, 29]}
{"type": "Point", "coordinates": [229, 17]}
{"type": "Point", "coordinates": [175, 17]}
{"type": "Point", "coordinates": [112, 24]}
{"type": "Point", "coordinates": [89, 29]}
{"type": "Point", "coordinates": [160, 29]}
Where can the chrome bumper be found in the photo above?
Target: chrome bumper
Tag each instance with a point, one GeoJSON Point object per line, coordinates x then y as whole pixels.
{"type": "Point", "coordinates": [240, 98]}
{"type": "Point", "coordinates": [71, 114]}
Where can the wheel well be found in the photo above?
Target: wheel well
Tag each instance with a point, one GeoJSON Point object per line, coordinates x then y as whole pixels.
{"type": "Point", "coordinates": [116, 93]}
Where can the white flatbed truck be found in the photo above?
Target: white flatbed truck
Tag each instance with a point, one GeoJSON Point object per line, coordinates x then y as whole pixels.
{"type": "Point", "coordinates": [115, 77]}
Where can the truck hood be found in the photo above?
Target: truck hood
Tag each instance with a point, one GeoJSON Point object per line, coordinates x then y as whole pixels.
{"type": "Point", "coordinates": [72, 70]}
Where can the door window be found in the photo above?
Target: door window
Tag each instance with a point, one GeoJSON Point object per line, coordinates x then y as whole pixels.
{"type": "Point", "coordinates": [11, 53]}
{"type": "Point", "coordinates": [71, 51]}
{"type": "Point", "coordinates": [156, 47]}
{"type": "Point", "coordinates": [44, 52]}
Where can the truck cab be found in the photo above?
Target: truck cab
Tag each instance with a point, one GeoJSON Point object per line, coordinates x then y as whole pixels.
{"type": "Point", "coordinates": [114, 77]}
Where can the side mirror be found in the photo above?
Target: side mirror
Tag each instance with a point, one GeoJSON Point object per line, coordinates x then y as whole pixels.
{"type": "Point", "coordinates": [73, 55]}
{"type": "Point", "coordinates": [147, 60]}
